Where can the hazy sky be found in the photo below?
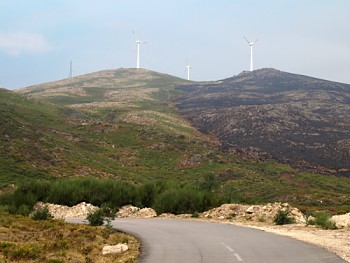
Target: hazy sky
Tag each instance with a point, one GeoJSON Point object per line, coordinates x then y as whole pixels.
{"type": "Point", "coordinates": [38, 38]}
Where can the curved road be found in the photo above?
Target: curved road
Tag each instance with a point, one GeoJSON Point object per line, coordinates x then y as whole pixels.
{"type": "Point", "coordinates": [182, 241]}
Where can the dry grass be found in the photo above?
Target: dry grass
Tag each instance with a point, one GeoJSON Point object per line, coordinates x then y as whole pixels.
{"type": "Point", "coordinates": [166, 121]}
{"type": "Point", "coordinates": [131, 95]}
{"type": "Point", "coordinates": [25, 240]}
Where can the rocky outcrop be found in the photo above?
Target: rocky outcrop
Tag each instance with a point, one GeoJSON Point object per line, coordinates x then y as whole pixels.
{"type": "Point", "coordinates": [264, 213]}
{"type": "Point", "coordinates": [61, 211]}
{"type": "Point", "coordinates": [117, 249]}
{"type": "Point", "coordinates": [132, 211]}
{"type": "Point", "coordinates": [341, 220]}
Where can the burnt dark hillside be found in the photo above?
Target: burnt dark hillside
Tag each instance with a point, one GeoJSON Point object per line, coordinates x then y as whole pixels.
{"type": "Point", "coordinates": [268, 113]}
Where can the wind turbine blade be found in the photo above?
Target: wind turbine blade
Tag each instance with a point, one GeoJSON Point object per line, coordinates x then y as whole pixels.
{"type": "Point", "coordinates": [246, 40]}
{"type": "Point", "coordinates": [255, 41]}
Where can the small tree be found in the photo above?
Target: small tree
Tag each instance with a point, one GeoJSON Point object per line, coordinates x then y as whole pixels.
{"type": "Point", "coordinates": [282, 218]}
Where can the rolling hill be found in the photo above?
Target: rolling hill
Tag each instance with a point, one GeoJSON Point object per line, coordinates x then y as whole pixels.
{"type": "Point", "coordinates": [123, 124]}
{"type": "Point", "coordinates": [270, 114]}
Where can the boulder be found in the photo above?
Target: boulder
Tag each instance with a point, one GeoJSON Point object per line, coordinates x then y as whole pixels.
{"type": "Point", "coordinates": [146, 213]}
{"type": "Point", "coordinates": [117, 249]}
{"type": "Point", "coordinates": [253, 209]}
{"type": "Point", "coordinates": [127, 211]}
{"type": "Point", "coordinates": [61, 211]}
{"type": "Point", "coordinates": [266, 212]}
{"type": "Point", "coordinates": [341, 220]}
{"type": "Point", "coordinates": [132, 211]}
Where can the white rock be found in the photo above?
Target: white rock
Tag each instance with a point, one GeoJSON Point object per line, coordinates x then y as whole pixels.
{"type": "Point", "coordinates": [253, 209]}
{"type": "Point", "coordinates": [60, 211]}
{"type": "Point", "coordinates": [117, 249]}
{"type": "Point", "coordinates": [341, 220]}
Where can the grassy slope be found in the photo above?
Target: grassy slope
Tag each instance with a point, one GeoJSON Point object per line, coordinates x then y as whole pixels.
{"type": "Point", "coordinates": [25, 240]}
{"type": "Point", "coordinates": [132, 132]}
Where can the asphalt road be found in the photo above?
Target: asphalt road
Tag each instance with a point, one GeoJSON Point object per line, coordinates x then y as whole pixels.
{"type": "Point", "coordinates": [170, 241]}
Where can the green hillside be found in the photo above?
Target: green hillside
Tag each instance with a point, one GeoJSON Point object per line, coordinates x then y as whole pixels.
{"type": "Point", "coordinates": [121, 124]}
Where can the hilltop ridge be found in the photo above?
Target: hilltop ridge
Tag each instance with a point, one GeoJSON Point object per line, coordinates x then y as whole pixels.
{"type": "Point", "coordinates": [268, 114]}
{"type": "Point", "coordinates": [118, 87]}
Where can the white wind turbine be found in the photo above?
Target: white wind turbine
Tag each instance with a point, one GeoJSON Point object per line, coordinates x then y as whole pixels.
{"type": "Point", "coordinates": [138, 44]}
{"type": "Point", "coordinates": [251, 44]}
{"type": "Point", "coordinates": [188, 71]}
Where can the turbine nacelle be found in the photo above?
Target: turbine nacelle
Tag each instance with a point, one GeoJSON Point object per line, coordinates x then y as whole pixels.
{"type": "Point", "coordinates": [251, 44]}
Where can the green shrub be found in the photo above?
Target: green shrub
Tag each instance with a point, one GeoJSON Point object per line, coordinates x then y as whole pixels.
{"type": "Point", "coordinates": [182, 201]}
{"type": "Point", "coordinates": [163, 196]}
{"type": "Point", "coordinates": [95, 218]}
{"type": "Point", "coordinates": [282, 218]}
{"type": "Point", "coordinates": [23, 210]}
{"type": "Point", "coordinates": [148, 192]}
{"type": "Point", "coordinates": [42, 214]}
{"type": "Point", "coordinates": [324, 221]}
{"type": "Point", "coordinates": [104, 215]}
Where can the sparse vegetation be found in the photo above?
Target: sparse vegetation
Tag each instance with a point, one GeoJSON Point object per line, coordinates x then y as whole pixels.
{"type": "Point", "coordinates": [283, 218]}
{"type": "Point", "coordinates": [96, 218]}
{"type": "Point", "coordinates": [323, 220]}
{"type": "Point", "coordinates": [25, 240]}
{"type": "Point", "coordinates": [104, 215]}
{"type": "Point", "coordinates": [42, 214]}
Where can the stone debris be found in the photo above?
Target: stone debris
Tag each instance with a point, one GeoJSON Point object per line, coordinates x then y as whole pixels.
{"type": "Point", "coordinates": [117, 249]}
{"type": "Point", "coordinates": [61, 211]}
{"type": "Point", "coordinates": [258, 213]}
{"type": "Point", "coordinates": [264, 213]}
{"type": "Point", "coordinates": [341, 220]}
{"type": "Point", "coordinates": [133, 211]}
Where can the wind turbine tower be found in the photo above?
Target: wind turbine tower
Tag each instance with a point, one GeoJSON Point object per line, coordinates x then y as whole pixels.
{"type": "Point", "coordinates": [70, 69]}
{"type": "Point", "coordinates": [138, 43]}
{"type": "Point", "coordinates": [188, 71]}
{"type": "Point", "coordinates": [251, 44]}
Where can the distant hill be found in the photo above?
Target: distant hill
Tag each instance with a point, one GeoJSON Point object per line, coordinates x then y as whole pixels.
{"type": "Point", "coordinates": [123, 124]}
{"type": "Point", "coordinates": [113, 123]}
{"type": "Point", "coordinates": [119, 88]}
{"type": "Point", "coordinates": [268, 113]}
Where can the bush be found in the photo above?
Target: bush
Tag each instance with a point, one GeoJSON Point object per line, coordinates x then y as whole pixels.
{"type": "Point", "coordinates": [324, 221]}
{"type": "Point", "coordinates": [42, 214]}
{"type": "Point", "coordinates": [95, 218]}
{"type": "Point", "coordinates": [182, 201]}
{"type": "Point", "coordinates": [23, 210]}
{"type": "Point", "coordinates": [283, 218]}
{"type": "Point", "coordinates": [148, 192]}
{"type": "Point", "coordinates": [163, 196]}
